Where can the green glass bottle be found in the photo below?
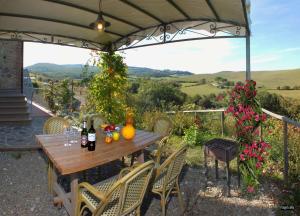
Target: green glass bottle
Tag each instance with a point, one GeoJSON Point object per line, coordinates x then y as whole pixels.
{"type": "Point", "coordinates": [92, 137]}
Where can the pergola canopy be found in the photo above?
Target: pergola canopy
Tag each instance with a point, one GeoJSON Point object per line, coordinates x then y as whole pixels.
{"type": "Point", "coordinates": [134, 23]}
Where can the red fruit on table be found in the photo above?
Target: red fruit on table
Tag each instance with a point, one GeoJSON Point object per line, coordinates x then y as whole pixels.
{"type": "Point", "coordinates": [107, 128]}
{"type": "Point", "coordinates": [112, 127]}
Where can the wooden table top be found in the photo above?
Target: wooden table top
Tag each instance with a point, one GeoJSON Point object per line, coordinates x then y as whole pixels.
{"type": "Point", "coordinates": [72, 159]}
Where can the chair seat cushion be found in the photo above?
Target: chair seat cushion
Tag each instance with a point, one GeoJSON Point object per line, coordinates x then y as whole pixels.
{"type": "Point", "coordinates": [103, 186]}
{"type": "Point", "coordinates": [159, 182]}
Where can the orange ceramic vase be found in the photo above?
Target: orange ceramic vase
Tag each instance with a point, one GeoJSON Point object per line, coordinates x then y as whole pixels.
{"type": "Point", "coordinates": [128, 131]}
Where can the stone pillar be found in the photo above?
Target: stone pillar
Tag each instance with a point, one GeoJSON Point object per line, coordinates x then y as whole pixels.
{"type": "Point", "coordinates": [11, 66]}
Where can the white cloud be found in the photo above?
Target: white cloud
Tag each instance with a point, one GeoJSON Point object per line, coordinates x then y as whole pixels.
{"type": "Point", "coordinates": [203, 56]}
{"type": "Point", "coordinates": [264, 58]}
{"type": "Point", "coordinates": [37, 53]}
{"type": "Point", "coordinates": [206, 56]}
{"type": "Point", "coordinates": [292, 49]}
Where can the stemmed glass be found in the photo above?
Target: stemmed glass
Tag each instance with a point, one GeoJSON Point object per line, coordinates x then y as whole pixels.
{"type": "Point", "coordinates": [74, 135]}
{"type": "Point", "coordinates": [67, 135]}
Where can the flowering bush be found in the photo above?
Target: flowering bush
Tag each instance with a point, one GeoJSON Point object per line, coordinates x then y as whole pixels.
{"type": "Point", "coordinates": [248, 117]}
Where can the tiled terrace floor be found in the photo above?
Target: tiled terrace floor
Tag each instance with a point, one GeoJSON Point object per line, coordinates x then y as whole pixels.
{"type": "Point", "coordinates": [23, 183]}
{"type": "Point", "coordinates": [23, 135]}
{"type": "Point", "coordinates": [23, 191]}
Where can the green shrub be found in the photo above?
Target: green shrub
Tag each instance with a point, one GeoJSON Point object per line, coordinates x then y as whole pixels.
{"type": "Point", "coordinates": [273, 133]}
{"type": "Point", "coordinates": [147, 119]}
{"type": "Point", "coordinates": [192, 136]}
{"type": "Point", "coordinates": [181, 122]}
{"type": "Point", "coordinates": [107, 89]}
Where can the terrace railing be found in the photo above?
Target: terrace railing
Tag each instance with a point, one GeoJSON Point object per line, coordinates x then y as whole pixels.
{"type": "Point", "coordinates": [285, 122]}
{"type": "Point", "coordinates": [28, 88]}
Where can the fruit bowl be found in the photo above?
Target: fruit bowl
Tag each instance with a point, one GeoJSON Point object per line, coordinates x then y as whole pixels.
{"type": "Point", "coordinates": [112, 133]}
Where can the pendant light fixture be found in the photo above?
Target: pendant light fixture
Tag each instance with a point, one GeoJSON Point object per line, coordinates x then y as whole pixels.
{"type": "Point", "coordinates": [100, 24]}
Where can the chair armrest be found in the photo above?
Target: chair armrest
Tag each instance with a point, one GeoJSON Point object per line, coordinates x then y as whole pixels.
{"type": "Point", "coordinates": [128, 170]}
{"type": "Point", "coordinates": [101, 196]}
{"type": "Point", "coordinates": [154, 153]}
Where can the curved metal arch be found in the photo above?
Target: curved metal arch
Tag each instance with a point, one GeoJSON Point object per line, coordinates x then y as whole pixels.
{"type": "Point", "coordinates": [69, 4]}
{"type": "Point", "coordinates": [55, 21]}
{"type": "Point", "coordinates": [178, 21]}
{"type": "Point", "coordinates": [179, 9]}
{"type": "Point", "coordinates": [213, 10]}
{"type": "Point", "coordinates": [182, 40]}
{"type": "Point", "coordinates": [142, 10]}
{"type": "Point", "coordinates": [246, 16]}
{"type": "Point", "coordinates": [28, 33]}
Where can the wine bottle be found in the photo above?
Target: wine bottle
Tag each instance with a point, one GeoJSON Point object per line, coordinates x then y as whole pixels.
{"type": "Point", "coordinates": [84, 135]}
{"type": "Point", "coordinates": [92, 137]}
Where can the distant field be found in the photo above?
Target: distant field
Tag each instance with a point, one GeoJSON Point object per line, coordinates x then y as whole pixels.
{"type": "Point", "coordinates": [295, 94]}
{"type": "Point", "coordinates": [200, 89]}
{"type": "Point", "coordinates": [268, 79]}
{"type": "Point", "coordinates": [192, 89]}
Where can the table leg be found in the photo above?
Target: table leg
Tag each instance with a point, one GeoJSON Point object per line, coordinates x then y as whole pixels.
{"type": "Point", "coordinates": [50, 177]}
{"type": "Point", "coordinates": [74, 194]}
{"type": "Point", "coordinates": [217, 169]}
{"type": "Point", "coordinates": [140, 156]}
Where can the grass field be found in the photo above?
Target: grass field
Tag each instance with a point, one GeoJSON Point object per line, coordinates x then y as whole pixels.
{"type": "Point", "coordinates": [201, 89]}
{"type": "Point", "coordinates": [268, 79]}
{"type": "Point", "coordinates": [295, 94]}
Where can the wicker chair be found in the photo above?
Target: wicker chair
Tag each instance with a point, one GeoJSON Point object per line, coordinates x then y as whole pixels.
{"type": "Point", "coordinates": [120, 195]}
{"type": "Point", "coordinates": [167, 178]}
{"type": "Point", "coordinates": [98, 120]}
{"type": "Point", "coordinates": [55, 125]}
{"type": "Point", "coordinates": [163, 126]}
{"type": "Point", "coordinates": [157, 154]}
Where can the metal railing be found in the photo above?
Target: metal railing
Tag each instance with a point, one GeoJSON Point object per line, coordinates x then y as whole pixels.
{"type": "Point", "coordinates": [28, 88]}
{"type": "Point", "coordinates": [285, 121]}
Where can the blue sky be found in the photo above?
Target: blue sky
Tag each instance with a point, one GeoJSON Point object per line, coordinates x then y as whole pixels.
{"type": "Point", "coordinates": [275, 44]}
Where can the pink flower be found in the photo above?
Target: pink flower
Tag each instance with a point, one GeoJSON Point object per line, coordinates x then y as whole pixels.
{"type": "Point", "coordinates": [242, 157]}
{"type": "Point", "coordinates": [259, 158]}
{"type": "Point", "coordinates": [258, 165]}
{"type": "Point", "coordinates": [257, 118]}
{"type": "Point", "coordinates": [263, 117]}
{"type": "Point", "coordinates": [250, 189]}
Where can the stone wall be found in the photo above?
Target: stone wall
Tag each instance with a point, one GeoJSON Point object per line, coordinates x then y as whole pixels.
{"type": "Point", "coordinates": [11, 65]}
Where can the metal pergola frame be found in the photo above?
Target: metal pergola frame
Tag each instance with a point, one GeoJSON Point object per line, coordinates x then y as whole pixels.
{"type": "Point", "coordinates": [162, 33]}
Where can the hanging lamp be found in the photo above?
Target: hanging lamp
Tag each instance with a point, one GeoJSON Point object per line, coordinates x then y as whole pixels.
{"type": "Point", "coordinates": [100, 24]}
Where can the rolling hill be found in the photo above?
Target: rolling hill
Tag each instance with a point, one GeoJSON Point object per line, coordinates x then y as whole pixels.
{"type": "Point", "coordinates": [268, 80]}
{"type": "Point", "coordinates": [74, 71]}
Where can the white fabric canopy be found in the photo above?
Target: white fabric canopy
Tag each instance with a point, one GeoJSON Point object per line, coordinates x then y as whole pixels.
{"type": "Point", "coordinates": [134, 23]}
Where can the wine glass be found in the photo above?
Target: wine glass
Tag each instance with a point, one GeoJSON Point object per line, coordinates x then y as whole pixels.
{"type": "Point", "coordinates": [74, 135]}
{"type": "Point", "coordinates": [67, 136]}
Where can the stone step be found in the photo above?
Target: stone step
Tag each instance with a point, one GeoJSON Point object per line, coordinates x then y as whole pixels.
{"type": "Point", "coordinates": [13, 104]}
{"type": "Point", "coordinates": [23, 110]}
{"type": "Point", "coordinates": [12, 99]}
{"type": "Point", "coordinates": [15, 120]}
{"type": "Point", "coordinates": [14, 115]}
{"type": "Point", "coordinates": [10, 92]}
{"type": "Point", "coordinates": [7, 109]}
{"type": "Point", "coordinates": [13, 108]}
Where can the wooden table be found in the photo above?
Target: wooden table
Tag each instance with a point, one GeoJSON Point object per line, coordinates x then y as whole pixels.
{"type": "Point", "coordinates": [69, 160]}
